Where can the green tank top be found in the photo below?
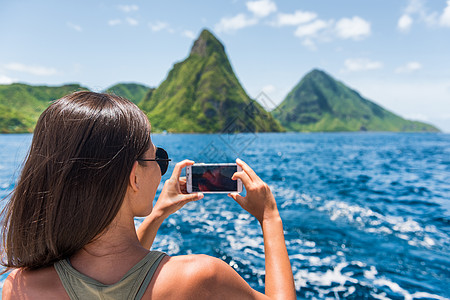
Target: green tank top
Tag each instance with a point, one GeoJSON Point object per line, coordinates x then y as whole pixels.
{"type": "Point", "coordinates": [132, 285]}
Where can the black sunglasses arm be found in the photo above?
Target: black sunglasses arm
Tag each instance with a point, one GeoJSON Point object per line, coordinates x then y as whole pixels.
{"type": "Point", "coordinates": [154, 159]}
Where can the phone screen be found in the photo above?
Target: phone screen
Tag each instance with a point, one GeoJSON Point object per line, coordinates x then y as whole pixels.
{"type": "Point", "coordinates": [211, 178]}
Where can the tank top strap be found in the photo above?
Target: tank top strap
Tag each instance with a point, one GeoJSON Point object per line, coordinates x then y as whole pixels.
{"type": "Point", "coordinates": [149, 276]}
{"type": "Point", "coordinates": [132, 285]}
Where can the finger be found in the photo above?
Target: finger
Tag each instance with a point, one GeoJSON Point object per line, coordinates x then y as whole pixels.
{"type": "Point", "coordinates": [238, 198]}
{"type": "Point", "coordinates": [243, 177]}
{"type": "Point", "coordinates": [179, 166]}
{"type": "Point", "coordinates": [183, 188]}
{"type": "Point", "coordinates": [182, 185]}
{"type": "Point", "coordinates": [247, 169]}
{"type": "Point", "coordinates": [192, 197]}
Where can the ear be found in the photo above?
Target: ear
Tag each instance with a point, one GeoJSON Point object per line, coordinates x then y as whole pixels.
{"type": "Point", "coordinates": [134, 177]}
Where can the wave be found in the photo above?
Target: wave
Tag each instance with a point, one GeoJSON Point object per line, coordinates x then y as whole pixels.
{"type": "Point", "coordinates": [366, 219]}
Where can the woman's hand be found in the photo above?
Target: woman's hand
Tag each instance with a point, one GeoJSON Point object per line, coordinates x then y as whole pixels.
{"type": "Point", "coordinates": [259, 200]}
{"type": "Point", "coordinates": [174, 195]}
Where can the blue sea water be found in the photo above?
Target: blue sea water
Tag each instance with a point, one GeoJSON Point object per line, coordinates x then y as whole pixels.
{"type": "Point", "coordinates": [366, 215]}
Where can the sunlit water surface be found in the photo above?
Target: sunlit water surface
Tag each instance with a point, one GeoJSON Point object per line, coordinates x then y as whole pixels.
{"type": "Point", "coordinates": [366, 216]}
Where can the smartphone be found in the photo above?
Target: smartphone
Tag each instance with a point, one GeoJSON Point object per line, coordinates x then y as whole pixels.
{"type": "Point", "coordinates": [212, 178]}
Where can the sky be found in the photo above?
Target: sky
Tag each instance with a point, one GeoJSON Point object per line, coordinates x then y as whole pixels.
{"type": "Point", "coordinates": [395, 53]}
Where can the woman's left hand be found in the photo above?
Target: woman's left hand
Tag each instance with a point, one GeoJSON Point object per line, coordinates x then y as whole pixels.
{"type": "Point", "coordinates": [174, 195]}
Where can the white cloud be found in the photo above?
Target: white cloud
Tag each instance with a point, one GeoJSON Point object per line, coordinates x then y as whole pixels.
{"type": "Point", "coordinates": [414, 6]}
{"type": "Point", "coordinates": [404, 23]}
{"type": "Point", "coordinates": [309, 43]}
{"type": "Point", "coordinates": [234, 23]}
{"type": "Point", "coordinates": [34, 70]}
{"type": "Point", "coordinates": [355, 28]}
{"type": "Point", "coordinates": [316, 30]}
{"type": "Point", "coordinates": [158, 26]}
{"type": "Point", "coordinates": [417, 10]}
{"type": "Point", "coordinates": [409, 67]}
{"type": "Point", "coordinates": [311, 29]}
{"type": "Point", "coordinates": [297, 18]}
{"type": "Point", "coordinates": [128, 20]}
{"type": "Point", "coordinates": [189, 34]}
{"type": "Point", "coordinates": [132, 22]}
{"type": "Point", "coordinates": [444, 20]}
{"type": "Point", "coordinates": [361, 64]}
{"type": "Point", "coordinates": [114, 22]}
{"type": "Point", "coordinates": [128, 8]}
{"type": "Point", "coordinates": [74, 27]}
{"type": "Point", "coordinates": [6, 80]}
{"type": "Point", "coordinates": [261, 8]}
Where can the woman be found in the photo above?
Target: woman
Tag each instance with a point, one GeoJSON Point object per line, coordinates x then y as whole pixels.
{"type": "Point", "coordinates": [69, 225]}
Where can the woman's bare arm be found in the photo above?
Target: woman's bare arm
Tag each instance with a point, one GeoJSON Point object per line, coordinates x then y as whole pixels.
{"type": "Point", "coordinates": [146, 232]}
{"type": "Point", "coordinates": [173, 197]}
{"type": "Point", "coordinates": [260, 202]}
{"type": "Point", "coordinates": [279, 278]}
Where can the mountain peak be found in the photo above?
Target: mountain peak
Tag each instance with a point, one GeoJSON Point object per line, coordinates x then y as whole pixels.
{"type": "Point", "coordinates": [319, 102]}
{"type": "Point", "coordinates": [317, 73]}
{"type": "Point", "coordinates": [202, 94]}
{"type": "Point", "coordinates": [206, 44]}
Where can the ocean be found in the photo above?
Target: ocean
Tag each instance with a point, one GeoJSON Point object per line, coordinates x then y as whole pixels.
{"type": "Point", "coordinates": [366, 215]}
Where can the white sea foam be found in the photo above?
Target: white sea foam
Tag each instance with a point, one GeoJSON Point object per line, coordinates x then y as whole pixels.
{"type": "Point", "coordinates": [399, 290]}
{"type": "Point", "coordinates": [335, 280]}
{"type": "Point", "coordinates": [373, 222]}
{"type": "Point", "coordinates": [381, 296]}
{"type": "Point", "coordinates": [303, 277]}
{"type": "Point", "coordinates": [254, 253]}
{"type": "Point", "coordinates": [350, 291]}
{"type": "Point", "coordinates": [365, 218]}
{"type": "Point", "coordinates": [419, 295]}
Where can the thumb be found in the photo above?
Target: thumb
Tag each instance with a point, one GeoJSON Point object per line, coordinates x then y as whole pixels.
{"type": "Point", "coordinates": [192, 197]}
{"type": "Point", "coordinates": [238, 198]}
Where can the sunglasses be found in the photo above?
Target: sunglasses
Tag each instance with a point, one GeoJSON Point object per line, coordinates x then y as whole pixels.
{"type": "Point", "coordinates": [162, 158]}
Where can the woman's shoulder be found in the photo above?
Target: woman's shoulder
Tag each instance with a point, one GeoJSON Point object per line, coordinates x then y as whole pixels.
{"type": "Point", "coordinates": [177, 276]}
{"type": "Point", "coordinates": [196, 276]}
{"type": "Point", "coordinates": [43, 283]}
{"type": "Point", "coordinates": [193, 264]}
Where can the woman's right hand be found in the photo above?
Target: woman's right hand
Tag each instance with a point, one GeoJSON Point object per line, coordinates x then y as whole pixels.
{"type": "Point", "coordinates": [259, 200]}
{"type": "Point", "coordinates": [173, 195]}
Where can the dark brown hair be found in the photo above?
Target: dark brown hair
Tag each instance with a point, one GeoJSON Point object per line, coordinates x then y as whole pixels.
{"type": "Point", "coordinates": [74, 178]}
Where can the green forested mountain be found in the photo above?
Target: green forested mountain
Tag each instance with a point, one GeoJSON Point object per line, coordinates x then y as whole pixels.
{"type": "Point", "coordinates": [132, 91]}
{"type": "Point", "coordinates": [21, 104]}
{"type": "Point", "coordinates": [202, 94]}
{"type": "Point", "coordinates": [321, 103]}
